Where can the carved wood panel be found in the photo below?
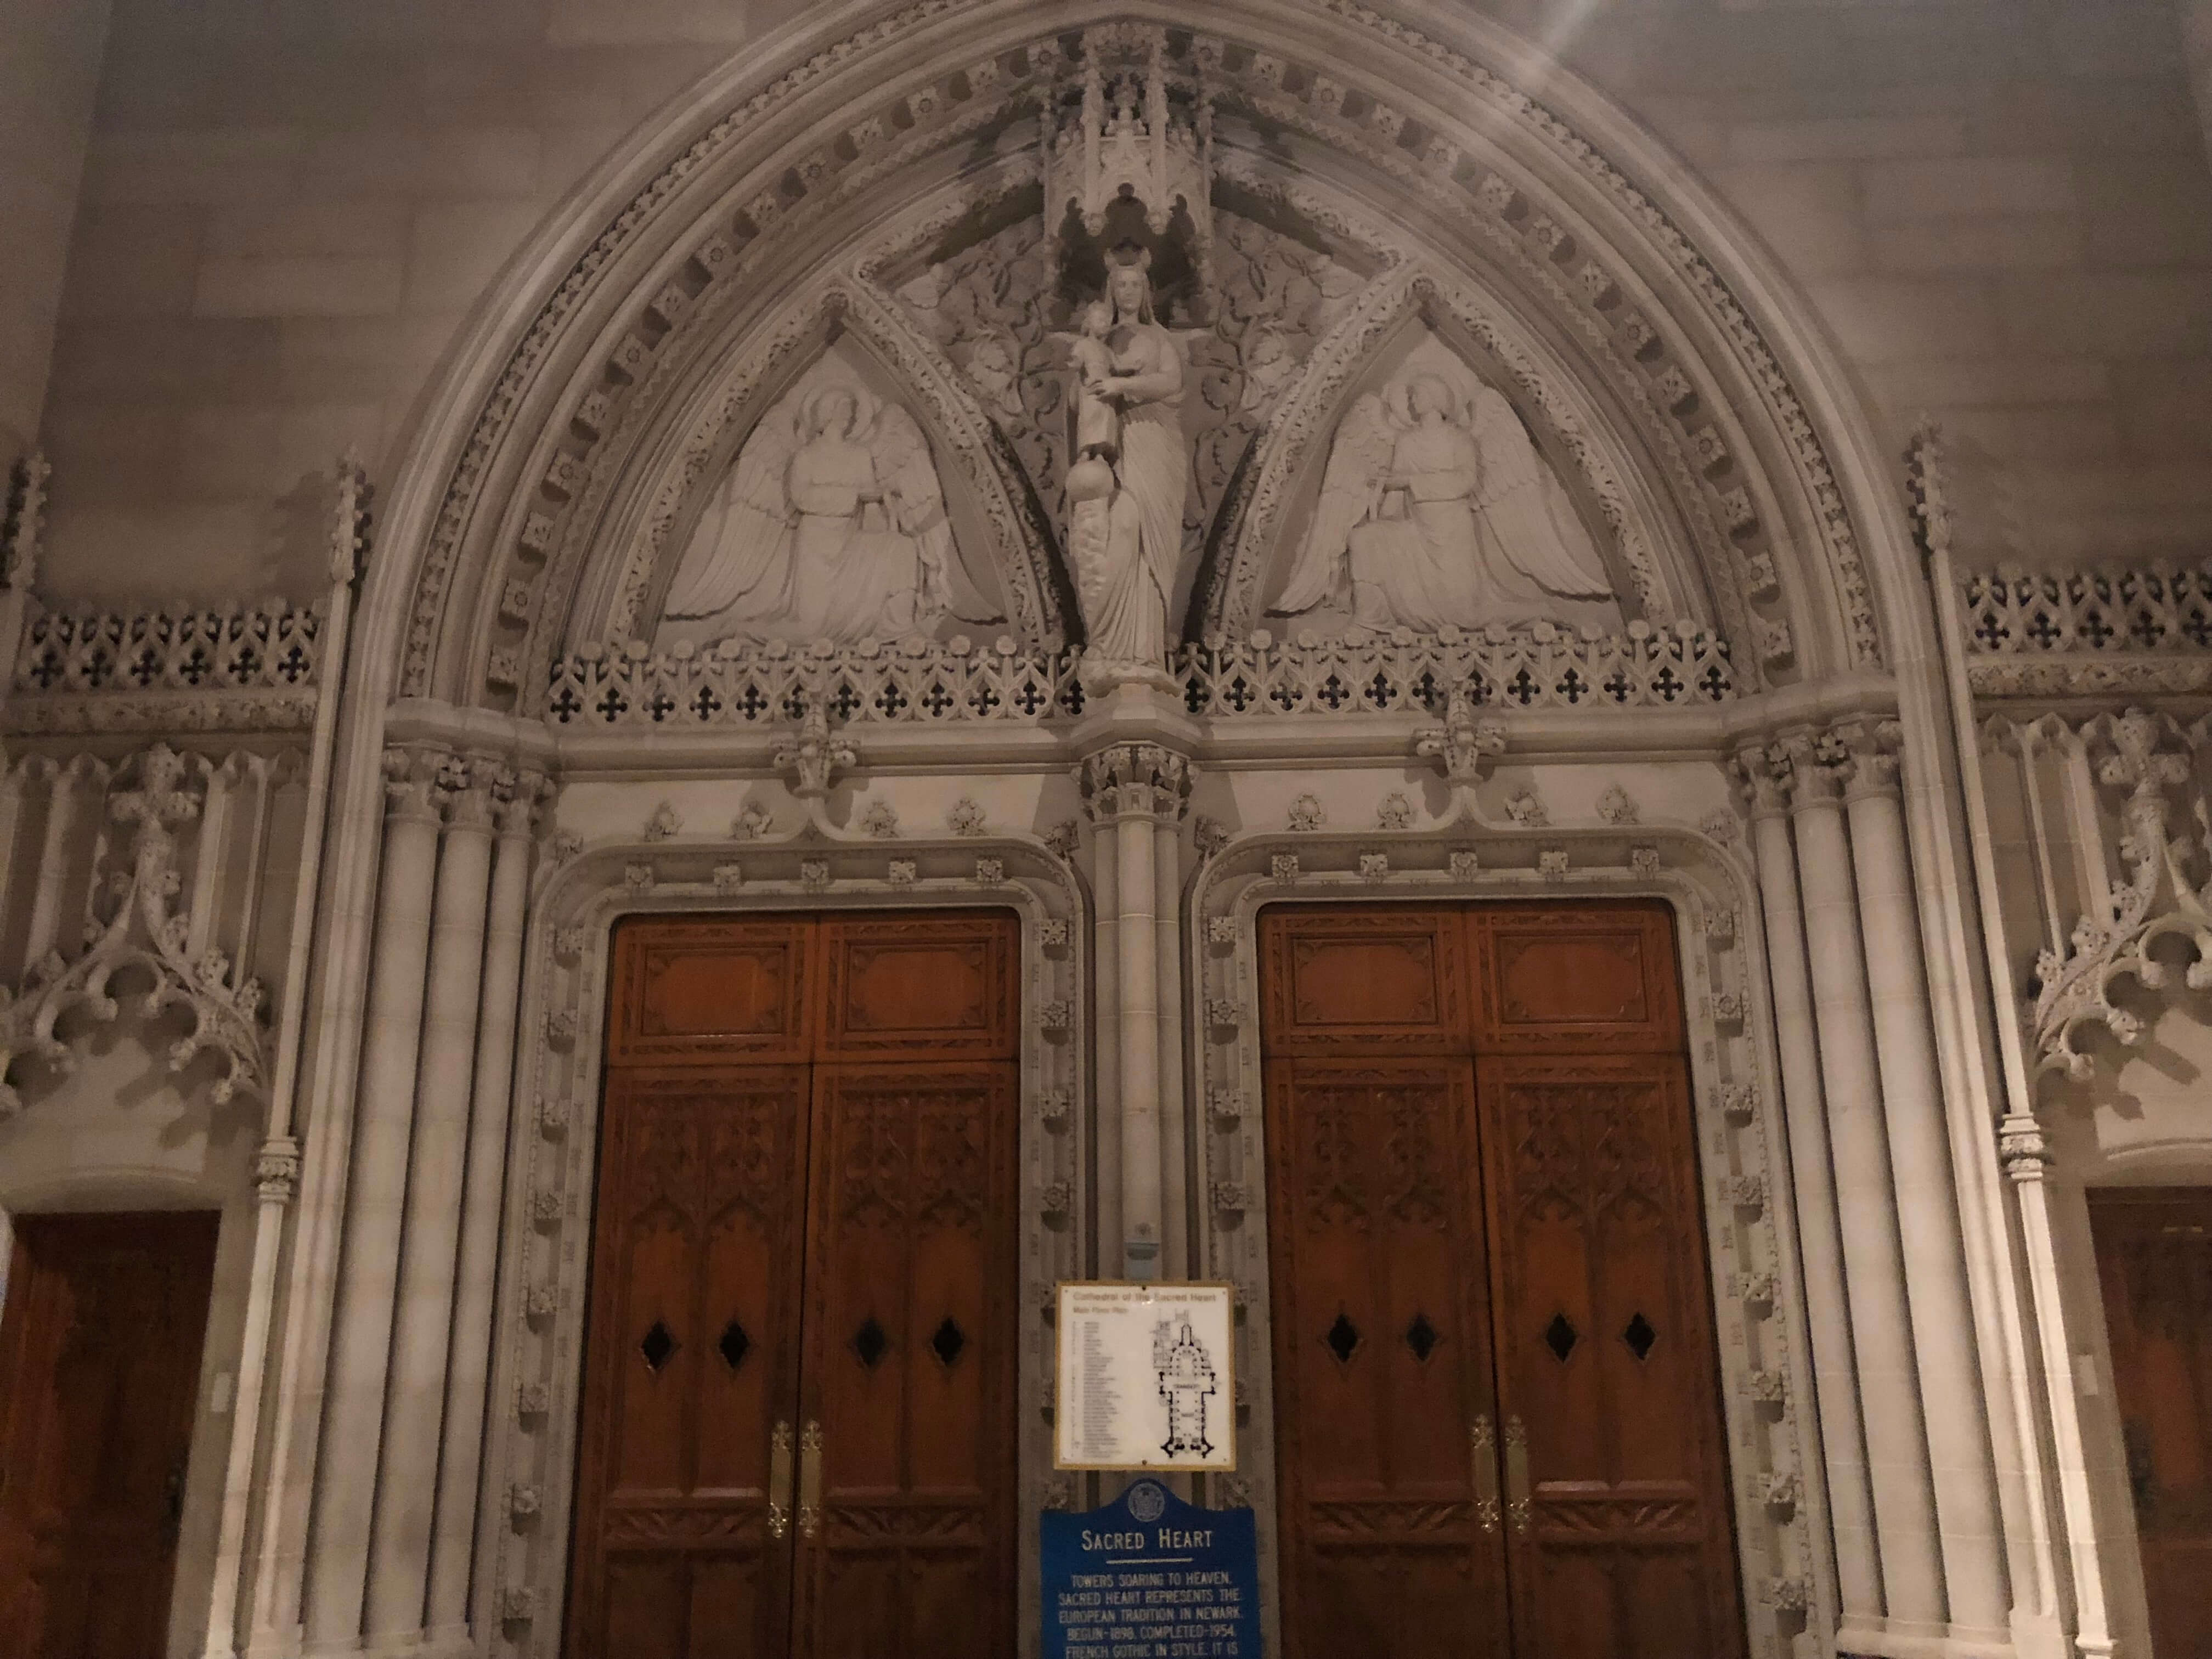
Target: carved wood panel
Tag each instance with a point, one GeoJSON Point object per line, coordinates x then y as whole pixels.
{"type": "Point", "coordinates": [911, 1358]}
{"type": "Point", "coordinates": [1382, 1368]}
{"type": "Point", "coordinates": [822, 1250]}
{"type": "Point", "coordinates": [1536, 1177]}
{"type": "Point", "coordinates": [691, 1357]}
{"type": "Point", "coordinates": [1576, 975]}
{"type": "Point", "coordinates": [933, 985]}
{"type": "Point", "coordinates": [708, 991]}
{"type": "Point", "coordinates": [2155, 1265]}
{"type": "Point", "coordinates": [99, 1358]}
{"type": "Point", "coordinates": [1606, 1357]}
{"type": "Point", "coordinates": [1384, 979]}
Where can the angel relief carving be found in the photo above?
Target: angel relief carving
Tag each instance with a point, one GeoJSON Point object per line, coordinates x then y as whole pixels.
{"type": "Point", "coordinates": [1435, 510]}
{"type": "Point", "coordinates": [831, 526]}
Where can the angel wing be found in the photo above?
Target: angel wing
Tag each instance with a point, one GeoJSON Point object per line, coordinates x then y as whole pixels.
{"type": "Point", "coordinates": [1537, 530]}
{"type": "Point", "coordinates": [909, 477]}
{"type": "Point", "coordinates": [741, 542]}
{"type": "Point", "coordinates": [1358, 464]}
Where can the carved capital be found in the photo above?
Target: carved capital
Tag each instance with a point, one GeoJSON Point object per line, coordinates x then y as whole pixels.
{"type": "Point", "coordinates": [2023, 1147]}
{"type": "Point", "coordinates": [471, 798]}
{"type": "Point", "coordinates": [413, 785]}
{"type": "Point", "coordinates": [277, 1169]}
{"type": "Point", "coordinates": [1867, 756]}
{"type": "Point", "coordinates": [1806, 762]}
{"type": "Point", "coordinates": [1134, 780]}
{"type": "Point", "coordinates": [516, 797]}
{"type": "Point", "coordinates": [1762, 780]}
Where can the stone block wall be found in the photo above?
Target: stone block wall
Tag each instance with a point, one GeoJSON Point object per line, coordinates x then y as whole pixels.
{"type": "Point", "coordinates": [49, 59]}
{"type": "Point", "coordinates": [2001, 210]}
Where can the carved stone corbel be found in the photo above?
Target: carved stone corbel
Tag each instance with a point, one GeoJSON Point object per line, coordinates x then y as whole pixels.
{"type": "Point", "coordinates": [1134, 780]}
{"type": "Point", "coordinates": [1463, 747]}
{"type": "Point", "coordinates": [813, 759]}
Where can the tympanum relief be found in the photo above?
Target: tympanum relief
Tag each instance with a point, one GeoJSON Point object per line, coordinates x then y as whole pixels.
{"type": "Point", "coordinates": [1435, 510]}
{"type": "Point", "coordinates": [830, 525]}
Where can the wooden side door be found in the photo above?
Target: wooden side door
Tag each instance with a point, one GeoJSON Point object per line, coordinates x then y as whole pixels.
{"type": "Point", "coordinates": [99, 1358]}
{"type": "Point", "coordinates": [692, 1340]}
{"type": "Point", "coordinates": [2155, 1265]}
{"type": "Point", "coordinates": [907, 1475]}
{"type": "Point", "coordinates": [1385, 1421]}
{"type": "Point", "coordinates": [1620, 1533]}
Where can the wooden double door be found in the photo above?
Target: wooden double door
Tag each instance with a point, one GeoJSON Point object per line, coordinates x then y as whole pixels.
{"type": "Point", "coordinates": [1497, 1406]}
{"type": "Point", "coordinates": [797, 1428]}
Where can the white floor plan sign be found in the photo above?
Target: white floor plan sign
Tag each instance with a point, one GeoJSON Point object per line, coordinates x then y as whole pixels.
{"type": "Point", "coordinates": [1146, 1377]}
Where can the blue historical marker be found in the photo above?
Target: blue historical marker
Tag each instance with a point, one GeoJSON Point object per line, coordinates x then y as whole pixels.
{"type": "Point", "coordinates": [1150, 1577]}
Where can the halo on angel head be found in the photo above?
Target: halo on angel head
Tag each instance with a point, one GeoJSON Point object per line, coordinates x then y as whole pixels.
{"type": "Point", "coordinates": [813, 416]}
{"type": "Point", "coordinates": [1398, 399]}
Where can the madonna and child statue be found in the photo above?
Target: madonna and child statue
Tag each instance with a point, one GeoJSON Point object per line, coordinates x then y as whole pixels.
{"type": "Point", "coordinates": [1131, 473]}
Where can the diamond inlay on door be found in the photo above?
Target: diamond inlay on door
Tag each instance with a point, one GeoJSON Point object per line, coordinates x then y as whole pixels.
{"type": "Point", "coordinates": [1561, 1336]}
{"type": "Point", "coordinates": [1422, 1337]}
{"type": "Point", "coordinates": [734, 1346]}
{"type": "Point", "coordinates": [1640, 1336]}
{"type": "Point", "coordinates": [657, 1346]}
{"type": "Point", "coordinates": [947, 1341]}
{"type": "Point", "coordinates": [1342, 1338]}
{"type": "Point", "coordinates": [870, 1343]}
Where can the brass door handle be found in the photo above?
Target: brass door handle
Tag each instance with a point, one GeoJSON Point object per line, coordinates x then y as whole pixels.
{"type": "Point", "coordinates": [810, 1480]}
{"type": "Point", "coordinates": [1516, 1474]}
{"type": "Point", "coordinates": [779, 1479]}
{"type": "Point", "coordinates": [1482, 1457]}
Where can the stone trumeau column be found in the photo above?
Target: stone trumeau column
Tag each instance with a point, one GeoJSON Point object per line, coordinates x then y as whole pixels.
{"type": "Point", "coordinates": [1764, 777]}
{"type": "Point", "coordinates": [1952, 1393]}
{"type": "Point", "coordinates": [368, 1281]}
{"type": "Point", "coordinates": [1131, 791]}
{"type": "Point", "coordinates": [1909, 1558]}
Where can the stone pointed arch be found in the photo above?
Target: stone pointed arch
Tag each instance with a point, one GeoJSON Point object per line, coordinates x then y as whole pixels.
{"type": "Point", "coordinates": [625, 557]}
{"type": "Point", "coordinates": [1662, 551]}
{"type": "Point", "coordinates": [756, 177]}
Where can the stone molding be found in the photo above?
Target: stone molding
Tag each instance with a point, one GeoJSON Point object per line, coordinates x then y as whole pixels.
{"type": "Point", "coordinates": [2121, 631]}
{"type": "Point", "coordinates": [157, 668]}
{"type": "Point", "coordinates": [1759, 1304]}
{"type": "Point", "coordinates": [924, 682]}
